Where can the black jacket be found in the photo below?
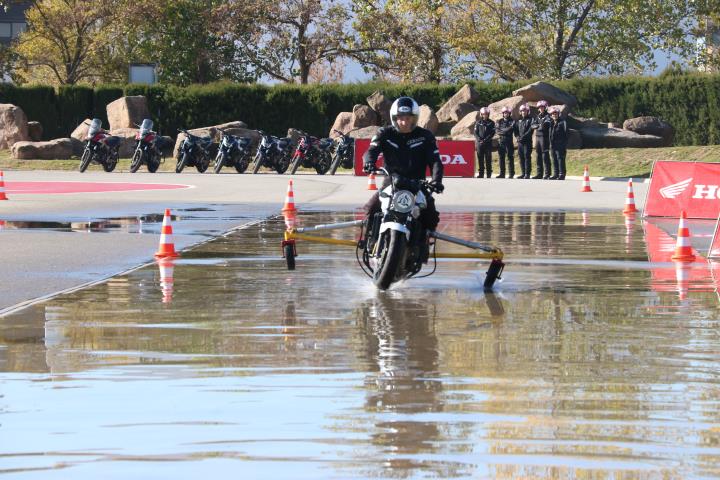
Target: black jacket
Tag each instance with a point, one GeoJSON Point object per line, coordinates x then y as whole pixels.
{"type": "Point", "coordinates": [505, 128]}
{"type": "Point", "coordinates": [558, 134]}
{"type": "Point", "coordinates": [484, 131]}
{"type": "Point", "coordinates": [407, 154]}
{"type": "Point", "coordinates": [542, 124]}
{"type": "Point", "coordinates": [524, 130]}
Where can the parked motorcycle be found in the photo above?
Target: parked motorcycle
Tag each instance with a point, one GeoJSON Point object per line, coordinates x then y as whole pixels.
{"type": "Point", "coordinates": [312, 152]}
{"type": "Point", "coordinates": [194, 152]}
{"type": "Point", "coordinates": [344, 154]}
{"type": "Point", "coordinates": [233, 152]}
{"type": "Point", "coordinates": [397, 245]}
{"type": "Point", "coordinates": [101, 148]}
{"type": "Point", "coordinates": [273, 152]}
{"type": "Point", "coordinates": [148, 150]}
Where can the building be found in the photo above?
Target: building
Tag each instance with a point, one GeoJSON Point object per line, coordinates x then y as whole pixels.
{"type": "Point", "coordinates": [12, 21]}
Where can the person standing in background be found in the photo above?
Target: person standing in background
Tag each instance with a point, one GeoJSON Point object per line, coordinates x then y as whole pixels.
{"type": "Point", "coordinates": [523, 132]}
{"type": "Point", "coordinates": [484, 132]}
{"type": "Point", "coordinates": [505, 129]}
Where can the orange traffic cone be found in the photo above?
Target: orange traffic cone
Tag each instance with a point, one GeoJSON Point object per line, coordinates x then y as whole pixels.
{"type": "Point", "coordinates": [289, 199]}
{"type": "Point", "coordinates": [2, 224]}
{"type": "Point", "coordinates": [682, 279]}
{"type": "Point", "coordinates": [2, 187]}
{"type": "Point", "coordinates": [586, 181]}
{"type": "Point", "coordinates": [683, 249]}
{"type": "Point", "coordinates": [630, 199]}
{"type": "Point", "coordinates": [290, 220]}
{"type": "Point", "coordinates": [371, 182]}
{"type": "Point", "coordinates": [166, 265]}
{"type": "Point", "coordinates": [167, 247]}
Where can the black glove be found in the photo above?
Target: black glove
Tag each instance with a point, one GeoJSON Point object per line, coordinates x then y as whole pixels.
{"type": "Point", "coordinates": [369, 167]}
{"type": "Point", "coordinates": [437, 186]}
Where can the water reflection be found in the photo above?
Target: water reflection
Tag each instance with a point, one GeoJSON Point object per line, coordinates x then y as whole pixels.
{"type": "Point", "coordinates": [596, 357]}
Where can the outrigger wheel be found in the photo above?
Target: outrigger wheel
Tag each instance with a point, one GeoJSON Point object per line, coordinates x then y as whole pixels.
{"type": "Point", "coordinates": [288, 248]}
{"type": "Point", "coordinates": [493, 273]}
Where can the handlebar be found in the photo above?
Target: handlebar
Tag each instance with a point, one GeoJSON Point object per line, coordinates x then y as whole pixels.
{"type": "Point", "coordinates": [430, 186]}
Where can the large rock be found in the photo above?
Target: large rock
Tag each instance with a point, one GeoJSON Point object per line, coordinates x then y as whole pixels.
{"type": "Point", "coordinates": [234, 128]}
{"type": "Point", "coordinates": [578, 123]}
{"type": "Point", "coordinates": [459, 111]}
{"type": "Point", "coordinates": [128, 141]}
{"type": "Point", "coordinates": [428, 119]}
{"type": "Point", "coordinates": [464, 129]}
{"type": "Point", "coordinates": [381, 104]}
{"type": "Point", "coordinates": [35, 131]}
{"type": "Point", "coordinates": [77, 147]}
{"type": "Point", "coordinates": [466, 94]}
{"type": "Point", "coordinates": [544, 91]}
{"type": "Point", "coordinates": [127, 112]}
{"type": "Point", "coordinates": [58, 149]}
{"type": "Point", "coordinates": [367, 132]}
{"type": "Point", "coordinates": [574, 140]}
{"type": "Point", "coordinates": [598, 137]}
{"type": "Point", "coordinates": [513, 103]}
{"type": "Point", "coordinates": [651, 126]}
{"type": "Point", "coordinates": [342, 123]}
{"type": "Point", "coordinates": [13, 125]}
{"type": "Point", "coordinates": [81, 131]}
{"type": "Point", "coordinates": [363, 116]}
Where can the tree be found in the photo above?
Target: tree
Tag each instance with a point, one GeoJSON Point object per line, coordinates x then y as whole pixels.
{"type": "Point", "coordinates": [288, 41]}
{"type": "Point", "coordinates": [61, 42]}
{"type": "Point", "coordinates": [557, 39]}
{"type": "Point", "coordinates": [404, 39]}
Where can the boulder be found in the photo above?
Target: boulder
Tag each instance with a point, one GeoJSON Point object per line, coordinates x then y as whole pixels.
{"type": "Point", "coordinates": [234, 128]}
{"type": "Point", "coordinates": [574, 140]}
{"type": "Point", "coordinates": [58, 149]}
{"type": "Point", "coordinates": [428, 119]}
{"type": "Point", "coordinates": [599, 137]}
{"type": "Point", "coordinates": [381, 104]}
{"type": "Point", "coordinates": [459, 111]}
{"type": "Point", "coordinates": [544, 91]}
{"type": "Point", "coordinates": [81, 131]}
{"type": "Point", "coordinates": [466, 94]}
{"type": "Point", "coordinates": [342, 123]}
{"type": "Point", "coordinates": [465, 127]}
{"type": "Point", "coordinates": [651, 126]}
{"type": "Point", "coordinates": [363, 116]}
{"type": "Point", "coordinates": [35, 131]}
{"type": "Point", "coordinates": [13, 125]}
{"type": "Point", "coordinates": [295, 134]}
{"type": "Point", "coordinates": [513, 103]}
{"type": "Point", "coordinates": [127, 141]}
{"type": "Point", "coordinates": [127, 112]}
{"type": "Point", "coordinates": [367, 132]}
{"type": "Point", "coordinates": [578, 123]}
{"type": "Point", "coordinates": [77, 147]}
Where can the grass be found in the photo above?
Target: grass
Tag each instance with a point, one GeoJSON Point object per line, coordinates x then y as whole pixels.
{"type": "Point", "coordinates": [603, 162]}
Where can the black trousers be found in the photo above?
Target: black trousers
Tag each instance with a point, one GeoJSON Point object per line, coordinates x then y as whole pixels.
{"type": "Point", "coordinates": [558, 158]}
{"type": "Point", "coordinates": [484, 160]}
{"type": "Point", "coordinates": [542, 157]}
{"type": "Point", "coordinates": [525, 154]}
{"type": "Point", "coordinates": [506, 147]}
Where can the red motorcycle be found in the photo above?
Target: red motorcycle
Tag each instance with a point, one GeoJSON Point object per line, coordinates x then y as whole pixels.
{"type": "Point", "coordinates": [148, 149]}
{"type": "Point", "coordinates": [101, 148]}
{"type": "Point", "coordinates": [312, 152]}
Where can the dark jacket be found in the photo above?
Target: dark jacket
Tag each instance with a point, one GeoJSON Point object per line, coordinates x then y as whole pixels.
{"type": "Point", "coordinates": [542, 125]}
{"type": "Point", "coordinates": [505, 128]}
{"type": "Point", "coordinates": [407, 154]}
{"type": "Point", "coordinates": [484, 131]}
{"type": "Point", "coordinates": [558, 134]}
{"type": "Point", "coordinates": [524, 130]}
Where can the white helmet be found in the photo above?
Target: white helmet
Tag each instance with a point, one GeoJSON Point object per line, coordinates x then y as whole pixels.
{"type": "Point", "coordinates": [484, 110]}
{"type": "Point", "coordinates": [404, 106]}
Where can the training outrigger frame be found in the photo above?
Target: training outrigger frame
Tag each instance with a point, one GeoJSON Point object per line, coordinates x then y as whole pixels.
{"type": "Point", "coordinates": [486, 253]}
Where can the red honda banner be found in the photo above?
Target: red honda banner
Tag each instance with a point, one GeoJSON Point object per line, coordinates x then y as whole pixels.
{"type": "Point", "coordinates": [458, 157]}
{"type": "Point", "coordinates": [690, 186]}
{"type": "Point", "coordinates": [714, 251]}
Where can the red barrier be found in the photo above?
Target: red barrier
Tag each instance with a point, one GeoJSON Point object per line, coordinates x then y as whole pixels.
{"type": "Point", "coordinates": [690, 186]}
{"type": "Point", "coordinates": [714, 251]}
{"type": "Point", "coordinates": [458, 157]}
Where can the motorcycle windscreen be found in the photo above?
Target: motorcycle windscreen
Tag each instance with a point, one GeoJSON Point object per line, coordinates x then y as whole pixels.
{"type": "Point", "coordinates": [145, 127]}
{"type": "Point", "coordinates": [95, 127]}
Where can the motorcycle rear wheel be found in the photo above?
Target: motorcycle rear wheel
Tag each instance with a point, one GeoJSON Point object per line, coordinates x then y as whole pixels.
{"type": "Point", "coordinates": [386, 271]}
{"type": "Point", "coordinates": [85, 160]}
{"type": "Point", "coordinates": [153, 165]}
{"type": "Point", "coordinates": [137, 160]}
{"type": "Point", "coordinates": [202, 163]}
{"type": "Point", "coordinates": [111, 161]}
{"type": "Point", "coordinates": [242, 162]}
{"type": "Point", "coordinates": [323, 163]}
{"type": "Point", "coordinates": [283, 164]}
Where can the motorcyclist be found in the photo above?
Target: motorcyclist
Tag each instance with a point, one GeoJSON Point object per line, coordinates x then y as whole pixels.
{"type": "Point", "coordinates": [409, 151]}
{"type": "Point", "coordinates": [558, 143]}
{"type": "Point", "coordinates": [505, 129]}
{"type": "Point", "coordinates": [484, 132]}
{"type": "Point", "coordinates": [542, 141]}
{"type": "Point", "coordinates": [523, 132]}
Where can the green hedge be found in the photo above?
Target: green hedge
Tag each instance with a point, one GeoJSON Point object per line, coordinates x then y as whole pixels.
{"type": "Point", "coordinates": [687, 101]}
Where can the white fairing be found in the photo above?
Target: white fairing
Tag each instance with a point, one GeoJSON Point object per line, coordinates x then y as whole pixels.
{"type": "Point", "coordinates": [146, 127]}
{"type": "Point", "coordinates": [95, 127]}
{"type": "Point", "coordinates": [395, 226]}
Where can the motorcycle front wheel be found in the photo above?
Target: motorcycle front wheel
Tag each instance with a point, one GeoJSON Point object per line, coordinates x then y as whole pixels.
{"type": "Point", "coordinates": [85, 160]}
{"type": "Point", "coordinates": [181, 163]}
{"type": "Point", "coordinates": [295, 164]}
{"type": "Point", "coordinates": [335, 163]}
{"type": "Point", "coordinates": [218, 163]}
{"type": "Point", "coordinates": [136, 161]}
{"type": "Point", "coordinates": [390, 258]}
{"type": "Point", "coordinates": [258, 163]}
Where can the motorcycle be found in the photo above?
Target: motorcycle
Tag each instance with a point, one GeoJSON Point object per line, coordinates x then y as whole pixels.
{"type": "Point", "coordinates": [344, 154]}
{"type": "Point", "coordinates": [273, 152]}
{"type": "Point", "coordinates": [312, 152]}
{"type": "Point", "coordinates": [194, 152]}
{"type": "Point", "coordinates": [234, 151]}
{"type": "Point", "coordinates": [101, 148]}
{"type": "Point", "coordinates": [147, 150]}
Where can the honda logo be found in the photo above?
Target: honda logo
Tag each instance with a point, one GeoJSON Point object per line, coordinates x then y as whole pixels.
{"type": "Point", "coordinates": [672, 191]}
{"type": "Point", "coordinates": [456, 159]}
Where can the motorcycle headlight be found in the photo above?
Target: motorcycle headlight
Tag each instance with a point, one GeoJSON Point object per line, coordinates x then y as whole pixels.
{"type": "Point", "coordinates": [403, 201]}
